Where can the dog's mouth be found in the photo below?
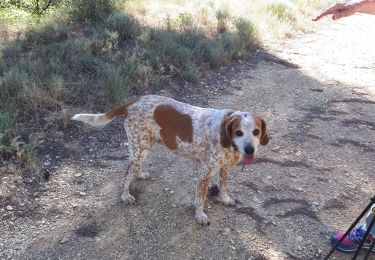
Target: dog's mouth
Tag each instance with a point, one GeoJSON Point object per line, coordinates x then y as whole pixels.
{"type": "Point", "coordinates": [248, 159]}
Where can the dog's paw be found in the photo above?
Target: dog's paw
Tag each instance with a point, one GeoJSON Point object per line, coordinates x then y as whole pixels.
{"type": "Point", "coordinates": [128, 199]}
{"type": "Point", "coordinates": [202, 219]}
{"type": "Point", "coordinates": [144, 176]}
{"type": "Point", "coordinates": [227, 201]}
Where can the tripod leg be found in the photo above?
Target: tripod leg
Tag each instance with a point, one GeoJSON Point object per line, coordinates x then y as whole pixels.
{"type": "Point", "coordinates": [370, 249]}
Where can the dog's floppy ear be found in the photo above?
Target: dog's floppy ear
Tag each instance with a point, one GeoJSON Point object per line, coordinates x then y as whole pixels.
{"type": "Point", "coordinates": [261, 123]}
{"type": "Point", "coordinates": [228, 126]}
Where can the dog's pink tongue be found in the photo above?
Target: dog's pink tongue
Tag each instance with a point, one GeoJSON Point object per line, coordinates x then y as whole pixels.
{"type": "Point", "coordinates": [248, 159]}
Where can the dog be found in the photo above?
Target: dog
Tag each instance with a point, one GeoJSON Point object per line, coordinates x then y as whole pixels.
{"type": "Point", "coordinates": [218, 138]}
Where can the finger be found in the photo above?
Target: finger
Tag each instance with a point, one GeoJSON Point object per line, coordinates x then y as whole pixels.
{"type": "Point", "coordinates": [329, 11]}
{"type": "Point", "coordinates": [341, 14]}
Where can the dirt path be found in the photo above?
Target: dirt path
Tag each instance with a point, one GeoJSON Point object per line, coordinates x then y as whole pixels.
{"type": "Point", "coordinates": [314, 177]}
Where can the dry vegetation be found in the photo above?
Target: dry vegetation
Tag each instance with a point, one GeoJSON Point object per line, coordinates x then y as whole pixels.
{"type": "Point", "coordinates": [93, 54]}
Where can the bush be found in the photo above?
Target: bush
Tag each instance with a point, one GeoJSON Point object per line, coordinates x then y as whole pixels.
{"type": "Point", "coordinates": [90, 10]}
{"type": "Point", "coordinates": [220, 51]}
{"type": "Point", "coordinates": [184, 21]}
{"type": "Point", "coordinates": [222, 17]}
{"type": "Point", "coordinates": [10, 145]}
{"type": "Point", "coordinates": [282, 11]}
{"type": "Point", "coordinates": [127, 27]}
{"type": "Point", "coordinates": [114, 84]}
{"type": "Point", "coordinates": [50, 33]}
{"type": "Point", "coordinates": [246, 33]}
{"type": "Point", "coordinates": [35, 7]}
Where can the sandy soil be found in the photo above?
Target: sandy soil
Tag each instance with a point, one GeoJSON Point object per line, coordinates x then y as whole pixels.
{"type": "Point", "coordinates": [314, 177]}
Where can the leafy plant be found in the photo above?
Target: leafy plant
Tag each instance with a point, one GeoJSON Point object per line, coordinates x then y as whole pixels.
{"type": "Point", "coordinates": [35, 7]}
{"type": "Point", "coordinates": [222, 17]}
{"type": "Point", "coordinates": [90, 10]}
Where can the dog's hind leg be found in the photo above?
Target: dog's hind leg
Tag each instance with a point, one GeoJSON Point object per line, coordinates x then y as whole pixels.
{"type": "Point", "coordinates": [139, 151]}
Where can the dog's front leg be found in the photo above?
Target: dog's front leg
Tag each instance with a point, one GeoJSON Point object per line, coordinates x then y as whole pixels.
{"type": "Point", "coordinates": [201, 195]}
{"type": "Point", "coordinates": [223, 187]}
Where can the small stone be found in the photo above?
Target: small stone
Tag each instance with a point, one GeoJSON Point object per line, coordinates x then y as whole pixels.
{"type": "Point", "coordinates": [47, 163]}
{"type": "Point", "coordinates": [174, 205]}
{"type": "Point", "coordinates": [171, 192]}
{"type": "Point", "coordinates": [313, 208]}
{"type": "Point", "coordinates": [299, 248]}
{"type": "Point", "coordinates": [166, 189]}
{"type": "Point", "coordinates": [78, 175]}
{"type": "Point", "coordinates": [82, 193]}
{"type": "Point", "coordinates": [74, 206]}
{"type": "Point", "coordinates": [64, 240]}
{"type": "Point", "coordinates": [233, 248]}
{"type": "Point", "coordinates": [35, 194]}
{"type": "Point", "coordinates": [9, 207]}
{"type": "Point", "coordinates": [320, 251]}
{"type": "Point", "coordinates": [269, 177]}
{"type": "Point", "coordinates": [209, 207]}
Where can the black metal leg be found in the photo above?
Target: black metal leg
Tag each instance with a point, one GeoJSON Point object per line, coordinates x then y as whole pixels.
{"type": "Point", "coordinates": [351, 227]}
{"type": "Point", "coordinates": [370, 249]}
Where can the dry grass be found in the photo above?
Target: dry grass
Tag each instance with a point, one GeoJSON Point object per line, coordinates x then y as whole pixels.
{"type": "Point", "coordinates": [273, 19]}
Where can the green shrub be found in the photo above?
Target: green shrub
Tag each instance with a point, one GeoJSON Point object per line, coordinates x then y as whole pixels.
{"type": "Point", "coordinates": [90, 10]}
{"type": "Point", "coordinates": [114, 84]}
{"type": "Point", "coordinates": [127, 27]}
{"type": "Point", "coordinates": [191, 72]}
{"type": "Point", "coordinates": [220, 51]}
{"type": "Point", "coordinates": [282, 11]}
{"type": "Point", "coordinates": [35, 7]}
{"type": "Point", "coordinates": [184, 21]}
{"type": "Point", "coordinates": [246, 33]}
{"type": "Point", "coordinates": [222, 17]}
{"type": "Point", "coordinates": [50, 33]}
{"type": "Point", "coordinates": [7, 143]}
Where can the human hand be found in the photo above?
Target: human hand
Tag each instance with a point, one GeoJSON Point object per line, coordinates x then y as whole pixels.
{"type": "Point", "coordinates": [338, 11]}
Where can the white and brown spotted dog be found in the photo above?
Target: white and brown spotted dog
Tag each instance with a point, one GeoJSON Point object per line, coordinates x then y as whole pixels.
{"type": "Point", "coordinates": [217, 138]}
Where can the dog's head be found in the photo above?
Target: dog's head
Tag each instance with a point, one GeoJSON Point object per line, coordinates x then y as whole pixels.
{"type": "Point", "coordinates": [244, 132]}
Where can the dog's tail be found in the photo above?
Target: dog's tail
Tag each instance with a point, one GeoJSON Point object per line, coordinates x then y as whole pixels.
{"type": "Point", "coordinates": [104, 118]}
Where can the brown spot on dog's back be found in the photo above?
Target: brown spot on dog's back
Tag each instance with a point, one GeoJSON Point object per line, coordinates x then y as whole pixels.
{"type": "Point", "coordinates": [173, 124]}
{"type": "Point", "coordinates": [121, 110]}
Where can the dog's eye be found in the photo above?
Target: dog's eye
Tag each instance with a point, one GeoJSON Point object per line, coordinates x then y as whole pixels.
{"type": "Point", "coordinates": [256, 132]}
{"type": "Point", "coordinates": [239, 133]}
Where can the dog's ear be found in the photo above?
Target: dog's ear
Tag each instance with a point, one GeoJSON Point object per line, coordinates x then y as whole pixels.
{"type": "Point", "coordinates": [228, 126]}
{"type": "Point", "coordinates": [261, 123]}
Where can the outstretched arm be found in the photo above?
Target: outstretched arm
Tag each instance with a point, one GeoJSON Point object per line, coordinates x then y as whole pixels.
{"type": "Point", "coordinates": [341, 10]}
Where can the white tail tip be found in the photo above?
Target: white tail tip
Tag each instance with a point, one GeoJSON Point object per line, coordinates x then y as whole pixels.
{"type": "Point", "coordinates": [92, 119]}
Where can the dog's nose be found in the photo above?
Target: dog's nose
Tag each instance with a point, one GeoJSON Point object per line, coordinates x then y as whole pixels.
{"type": "Point", "coordinates": [249, 149]}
